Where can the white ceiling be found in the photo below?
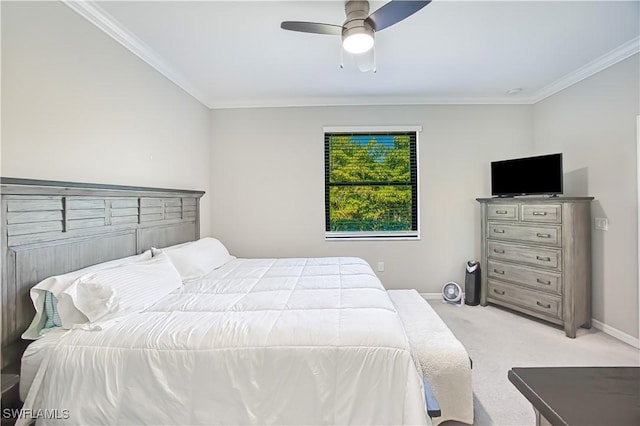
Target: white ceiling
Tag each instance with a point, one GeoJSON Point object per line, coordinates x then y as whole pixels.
{"type": "Point", "coordinates": [234, 54]}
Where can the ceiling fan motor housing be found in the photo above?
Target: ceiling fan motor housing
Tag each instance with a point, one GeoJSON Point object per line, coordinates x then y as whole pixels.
{"type": "Point", "coordinates": [356, 23]}
{"type": "Point", "coordinates": [356, 9]}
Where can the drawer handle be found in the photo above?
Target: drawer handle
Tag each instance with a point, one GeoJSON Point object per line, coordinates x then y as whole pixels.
{"type": "Point", "coordinates": [498, 272]}
{"type": "Point", "coordinates": [498, 231]}
{"type": "Point", "coordinates": [543, 306]}
{"type": "Point", "coordinates": [498, 251]}
{"type": "Point", "coordinates": [547, 282]}
{"type": "Point", "coordinates": [501, 293]}
{"type": "Point", "coordinates": [539, 235]}
{"type": "Point", "coordinates": [544, 258]}
{"type": "Point", "coordinates": [501, 212]}
{"type": "Point", "coordinates": [539, 213]}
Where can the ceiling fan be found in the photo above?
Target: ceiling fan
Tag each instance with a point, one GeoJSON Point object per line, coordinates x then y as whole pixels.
{"type": "Point", "coordinates": [359, 28]}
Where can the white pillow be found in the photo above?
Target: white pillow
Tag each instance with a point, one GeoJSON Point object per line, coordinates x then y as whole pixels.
{"type": "Point", "coordinates": [59, 283]}
{"type": "Point", "coordinates": [111, 293]}
{"type": "Point", "coordinates": [196, 259]}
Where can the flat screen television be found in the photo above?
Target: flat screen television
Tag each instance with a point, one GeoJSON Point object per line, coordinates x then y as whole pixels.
{"type": "Point", "coordinates": [527, 176]}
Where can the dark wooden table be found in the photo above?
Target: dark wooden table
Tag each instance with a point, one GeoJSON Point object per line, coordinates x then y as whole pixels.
{"type": "Point", "coordinates": [581, 395]}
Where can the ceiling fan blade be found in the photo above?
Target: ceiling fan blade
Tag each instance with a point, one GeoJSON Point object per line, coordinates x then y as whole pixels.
{"type": "Point", "coordinates": [312, 27]}
{"type": "Point", "coordinates": [394, 12]}
{"type": "Point", "coordinates": [366, 61]}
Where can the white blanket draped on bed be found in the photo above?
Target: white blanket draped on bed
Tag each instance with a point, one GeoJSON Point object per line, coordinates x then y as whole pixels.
{"type": "Point", "coordinates": [287, 341]}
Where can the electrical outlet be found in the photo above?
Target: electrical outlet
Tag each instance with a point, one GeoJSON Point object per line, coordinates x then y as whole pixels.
{"type": "Point", "coordinates": [380, 266]}
{"type": "Point", "coordinates": [601, 223]}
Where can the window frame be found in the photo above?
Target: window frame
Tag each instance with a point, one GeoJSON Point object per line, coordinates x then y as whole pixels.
{"type": "Point", "coordinates": [411, 235]}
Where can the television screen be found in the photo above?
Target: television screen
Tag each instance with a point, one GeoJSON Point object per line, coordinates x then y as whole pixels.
{"type": "Point", "coordinates": [527, 176]}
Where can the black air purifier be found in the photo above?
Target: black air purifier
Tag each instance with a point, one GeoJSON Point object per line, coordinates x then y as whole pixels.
{"type": "Point", "coordinates": [472, 283]}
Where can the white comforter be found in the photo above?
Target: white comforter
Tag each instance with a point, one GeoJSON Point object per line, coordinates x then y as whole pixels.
{"type": "Point", "coordinates": [286, 341]}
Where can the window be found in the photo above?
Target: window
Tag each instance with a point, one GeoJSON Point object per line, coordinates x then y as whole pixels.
{"type": "Point", "coordinates": [371, 184]}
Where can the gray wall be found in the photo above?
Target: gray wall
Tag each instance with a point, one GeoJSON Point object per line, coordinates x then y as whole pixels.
{"type": "Point", "coordinates": [594, 124]}
{"type": "Point", "coordinates": [77, 106]}
{"type": "Point", "coordinates": [268, 179]}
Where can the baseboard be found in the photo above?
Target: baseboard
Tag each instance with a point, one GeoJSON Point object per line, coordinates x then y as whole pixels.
{"type": "Point", "coordinates": [431, 296]}
{"type": "Point", "coordinates": [611, 331]}
{"type": "Point", "coordinates": [614, 332]}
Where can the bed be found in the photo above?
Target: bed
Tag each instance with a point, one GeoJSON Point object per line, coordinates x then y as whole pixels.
{"type": "Point", "coordinates": [286, 341]}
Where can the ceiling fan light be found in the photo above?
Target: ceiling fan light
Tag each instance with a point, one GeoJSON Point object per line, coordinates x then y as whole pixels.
{"type": "Point", "coordinates": [358, 42]}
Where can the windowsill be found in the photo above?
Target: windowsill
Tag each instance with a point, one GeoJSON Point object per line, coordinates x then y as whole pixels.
{"type": "Point", "coordinates": [373, 238]}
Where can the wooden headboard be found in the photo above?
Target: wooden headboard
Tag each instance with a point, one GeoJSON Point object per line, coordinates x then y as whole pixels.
{"type": "Point", "coordinates": [51, 228]}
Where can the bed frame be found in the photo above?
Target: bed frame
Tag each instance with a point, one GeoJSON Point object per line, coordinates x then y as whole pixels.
{"type": "Point", "coordinates": [51, 228]}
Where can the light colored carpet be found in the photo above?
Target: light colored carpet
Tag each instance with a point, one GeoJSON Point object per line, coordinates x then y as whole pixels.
{"type": "Point", "coordinates": [497, 340]}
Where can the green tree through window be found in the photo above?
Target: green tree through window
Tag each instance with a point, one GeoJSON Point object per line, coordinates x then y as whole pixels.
{"type": "Point", "coordinates": [371, 184]}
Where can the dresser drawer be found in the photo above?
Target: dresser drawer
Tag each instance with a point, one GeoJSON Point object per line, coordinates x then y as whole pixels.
{"type": "Point", "coordinates": [527, 234]}
{"type": "Point", "coordinates": [534, 278]}
{"type": "Point", "coordinates": [531, 255]}
{"type": "Point", "coordinates": [544, 303]}
{"type": "Point", "coordinates": [502, 212]}
{"type": "Point", "coordinates": [549, 213]}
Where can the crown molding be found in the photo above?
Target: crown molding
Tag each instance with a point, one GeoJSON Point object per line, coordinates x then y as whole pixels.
{"type": "Point", "coordinates": [368, 101]}
{"type": "Point", "coordinates": [110, 26]}
{"type": "Point", "coordinates": [618, 54]}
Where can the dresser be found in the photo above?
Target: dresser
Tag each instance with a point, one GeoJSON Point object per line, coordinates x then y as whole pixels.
{"type": "Point", "coordinates": [536, 257]}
